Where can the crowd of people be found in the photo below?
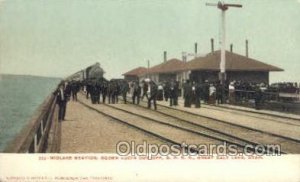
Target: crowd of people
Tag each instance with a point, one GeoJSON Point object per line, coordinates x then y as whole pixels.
{"type": "Point", "coordinates": [168, 91]}
{"type": "Point", "coordinates": [192, 92]}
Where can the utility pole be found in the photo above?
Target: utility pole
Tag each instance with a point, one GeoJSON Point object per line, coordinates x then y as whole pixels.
{"type": "Point", "coordinates": [223, 7]}
{"type": "Point", "coordinates": [148, 66]}
{"type": "Point", "coordinates": [0, 72]}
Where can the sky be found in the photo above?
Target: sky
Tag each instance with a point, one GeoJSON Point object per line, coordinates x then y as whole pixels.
{"type": "Point", "coordinates": [59, 37]}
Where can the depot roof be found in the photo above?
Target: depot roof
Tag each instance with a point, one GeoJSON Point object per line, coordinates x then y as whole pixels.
{"type": "Point", "coordinates": [172, 65]}
{"type": "Point", "coordinates": [136, 71]}
{"type": "Point", "coordinates": [234, 62]}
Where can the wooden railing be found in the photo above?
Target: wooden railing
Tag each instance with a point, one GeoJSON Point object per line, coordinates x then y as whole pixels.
{"type": "Point", "coordinates": [41, 134]}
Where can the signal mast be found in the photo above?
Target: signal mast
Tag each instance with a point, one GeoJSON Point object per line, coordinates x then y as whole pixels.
{"type": "Point", "coordinates": [223, 7]}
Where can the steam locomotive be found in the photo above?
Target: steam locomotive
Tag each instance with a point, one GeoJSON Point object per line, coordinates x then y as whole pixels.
{"type": "Point", "coordinates": [93, 72]}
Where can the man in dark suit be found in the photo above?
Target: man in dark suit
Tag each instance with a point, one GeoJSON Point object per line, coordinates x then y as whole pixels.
{"type": "Point", "coordinates": [172, 93]}
{"type": "Point", "coordinates": [112, 92]}
{"type": "Point", "coordinates": [258, 98]}
{"type": "Point", "coordinates": [176, 93]}
{"type": "Point", "coordinates": [219, 93]}
{"type": "Point", "coordinates": [167, 91]}
{"type": "Point", "coordinates": [74, 89]}
{"type": "Point", "coordinates": [95, 93]}
{"type": "Point", "coordinates": [104, 91]}
{"type": "Point", "coordinates": [198, 93]}
{"type": "Point", "coordinates": [188, 94]}
{"type": "Point", "coordinates": [62, 96]}
{"type": "Point", "coordinates": [152, 95]}
{"type": "Point", "coordinates": [117, 91]}
{"type": "Point", "coordinates": [206, 91]}
{"type": "Point", "coordinates": [145, 89]}
{"type": "Point", "coordinates": [124, 90]}
{"type": "Point", "coordinates": [136, 93]}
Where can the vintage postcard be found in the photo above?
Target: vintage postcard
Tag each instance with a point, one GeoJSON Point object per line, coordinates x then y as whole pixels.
{"type": "Point", "coordinates": [149, 90]}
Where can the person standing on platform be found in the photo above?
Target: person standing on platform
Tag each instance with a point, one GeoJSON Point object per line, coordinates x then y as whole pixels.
{"type": "Point", "coordinates": [152, 94]}
{"type": "Point", "coordinates": [136, 93]}
{"type": "Point", "coordinates": [118, 91]}
{"type": "Point", "coordinates": [172, 93]}
{"type": "Point", "coordinates": [62, 99]}
{"type": "Point", "coordinates": [206, 91]}
{"type": "Point", "coordinates": [258, 98]}
{"type": "Point", "coordinates": [114, 92]}
{"type": "Point", "coordinates": [193, 97]}
{"type": "Point", "coordinates": [111, 94]}
{"type": "Point", "coordinates": [88, 89]}
{"type": "Point", "coordinates": [160, 94]}
{"type": "Point", "coordinates": [231, 92]}
{"type": "Point", "coordinates": [176, 93]}
{"type": "Point", "coordinates": [145, 89]}
{"type": "Point", "coordinates": [124, 90]}
{"type": "Point", "coordinates": [197, 95]}
{"type": "Point", "coordinates": [74, 90]}
{"type": "Point", "coordinates": [92, 93]}
{"type": "Point", "coordinates": [68, 90]}
{"type": "Point", "coordinates": [212, 94]}
{"type": "Point", "coordinates": [104, 90]}
{"type": "Point", "coordinates": [219, 93]}
{"type": "Point", "coordinates": [167, 91]}
{"type": "Point", "coordinates": [83, 84]}
{"type": "Point", "coordinates": [97, 93]}
{"type": "Point", "coordinates": [187, 94]}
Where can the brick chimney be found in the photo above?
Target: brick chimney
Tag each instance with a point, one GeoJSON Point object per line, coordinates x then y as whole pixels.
{"type": "Point", "coordinates": [212, 45]}
{"type": "Point", "coordinates": [247, 55]}
{"type": "Point", "coordinates": [231, 47]}
{"type": "Point", "coordinates": [184, 56]}
{"type": "Point", "coordinates": [196, 49]}
{"type": "Point", "coordinates": [165, 56]}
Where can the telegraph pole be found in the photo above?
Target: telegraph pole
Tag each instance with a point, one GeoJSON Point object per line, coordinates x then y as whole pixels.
{"type": "Point", "coordinates": [0, 72]}
{"type": "Point", "coordinates": [148, 67]}
{"type": "Point", "coordinates": [223, 7]}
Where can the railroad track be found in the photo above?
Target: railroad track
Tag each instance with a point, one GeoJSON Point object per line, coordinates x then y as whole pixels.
{"type": "Point", "coordinates": [189, 127]}
{"type": "Point", "coordinates": [257, 137]}
{"type": "Point", "coordinates": [259, 115]}
{"type": "Point", "coordinates": [266, 116]}
{"type": "Point", "coordinates": [222, 121]}
{"type": "Point", "coordinates": [178, 133]}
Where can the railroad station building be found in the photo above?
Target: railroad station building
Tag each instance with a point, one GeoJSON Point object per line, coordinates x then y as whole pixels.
{"type": "Point", "coordinates": [207, 67]}
{"type": "Point", "coordinates": [238, 67]}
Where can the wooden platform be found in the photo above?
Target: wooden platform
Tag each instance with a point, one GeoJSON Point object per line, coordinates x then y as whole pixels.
{"type": "Point", "coordinates": [86, 131]}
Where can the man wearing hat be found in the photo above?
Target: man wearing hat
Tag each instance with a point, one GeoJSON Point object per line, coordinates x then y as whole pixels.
{"type": "Point", "coordinates": [152, 94]}
{"type": "Point", "coordinates": [206, 91]}
{"type": "Point", "coordinates": [136, 93]}
{"type": "Point", "coordinates": [187, 94]}
{"type": "Point", "coordinates": [62, 96]}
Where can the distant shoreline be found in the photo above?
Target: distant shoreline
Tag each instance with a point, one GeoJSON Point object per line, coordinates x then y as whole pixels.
{"type": "Point", "coordinates": [17, 75]}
